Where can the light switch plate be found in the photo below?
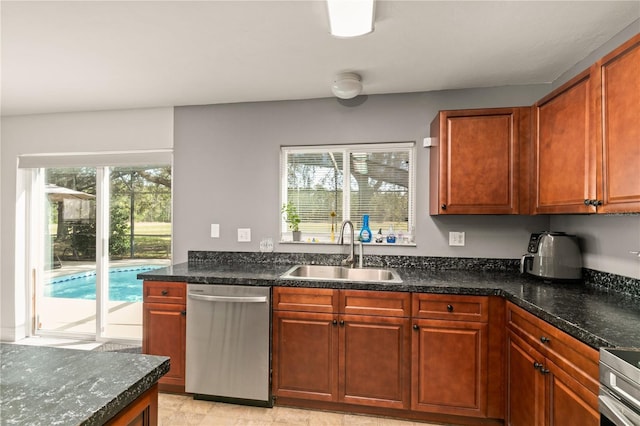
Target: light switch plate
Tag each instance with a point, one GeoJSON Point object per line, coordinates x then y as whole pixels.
{"type": "Point", "coordinates": [215, 230]}
{"type": "Point", "coordinates": [456, 239]}
{"type": "Point", "coordinates": [244, 235]}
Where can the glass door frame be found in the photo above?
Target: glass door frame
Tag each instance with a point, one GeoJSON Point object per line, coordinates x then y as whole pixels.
{"type": "Point", "coordinates": [37, 252]}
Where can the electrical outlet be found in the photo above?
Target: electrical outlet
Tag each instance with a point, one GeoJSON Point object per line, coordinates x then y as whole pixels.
{"type": "Point", "coordinates": [456, 239]}
{"type": "Point", "coordinates": [215, 230]}
{"type": "Point", "coordinates": [266, 245]}
{"type": "Point", "coordinates": [244, 235]}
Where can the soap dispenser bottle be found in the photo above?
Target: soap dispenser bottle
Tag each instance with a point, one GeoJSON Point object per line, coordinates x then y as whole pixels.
{"type": "Point", "coordinates": [365, 232]}
{"type": "Point", "coordinates": [391, 237]}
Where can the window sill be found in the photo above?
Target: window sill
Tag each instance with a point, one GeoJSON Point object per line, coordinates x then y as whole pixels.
{"type": "Point", "coordinates": [325, 243]}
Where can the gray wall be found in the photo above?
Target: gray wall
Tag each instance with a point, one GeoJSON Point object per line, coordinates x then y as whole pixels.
{"type": "Point", "coordinates": [226, 169]}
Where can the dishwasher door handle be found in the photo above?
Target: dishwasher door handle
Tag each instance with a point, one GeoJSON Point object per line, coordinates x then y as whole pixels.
{"type": "Point", "coordinates": [229, 299]}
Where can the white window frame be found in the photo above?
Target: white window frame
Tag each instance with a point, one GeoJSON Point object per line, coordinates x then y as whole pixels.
{"type": "Point", "coordinates": [346, 150]}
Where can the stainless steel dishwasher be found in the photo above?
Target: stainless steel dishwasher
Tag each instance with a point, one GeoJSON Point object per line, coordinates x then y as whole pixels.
{"type": "Point", "coordinates": [228, 337]}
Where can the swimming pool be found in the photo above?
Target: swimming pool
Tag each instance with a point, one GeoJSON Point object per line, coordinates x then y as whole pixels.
{"type": "Point", "coordinates": [123, 284]}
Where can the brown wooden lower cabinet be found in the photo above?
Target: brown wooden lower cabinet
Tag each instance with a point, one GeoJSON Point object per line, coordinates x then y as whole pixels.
{"type": "Point", "coordinates": [552, 379]}
{"type": "Point", "coordinates": [332, 357]}
{"type": "Point", "coordinates": [164, 329]}
{"type": "Point", "coordinates": [141, 412]}
{"type": "Point", "coordinates": [450, 367]}
{"type": "Point", "coordinates": [375, 361]}
{"type": "Point", "coordinates": [305, 355]}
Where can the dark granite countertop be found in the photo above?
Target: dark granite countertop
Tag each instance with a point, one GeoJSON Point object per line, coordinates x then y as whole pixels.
{"type": "Point", "coordinates": [596, 317]}
{"type": "Point", "coordinates": [53, 386]}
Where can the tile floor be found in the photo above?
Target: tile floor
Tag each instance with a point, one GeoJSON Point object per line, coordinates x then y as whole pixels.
{"type": "Point", "coordinates": [181, 410]}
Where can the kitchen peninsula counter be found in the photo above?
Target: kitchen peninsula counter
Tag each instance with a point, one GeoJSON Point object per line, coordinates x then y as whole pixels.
{"type": "Point", "coordinates": [596, 317]}
{"type": "Point", "coordinates": [53, 386]}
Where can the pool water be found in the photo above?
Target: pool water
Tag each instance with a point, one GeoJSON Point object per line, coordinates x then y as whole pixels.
{"type": "Point", "coordinates": [123, 284]}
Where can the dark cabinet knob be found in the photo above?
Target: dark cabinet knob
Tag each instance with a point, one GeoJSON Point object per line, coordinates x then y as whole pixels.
{"type": "Point", "coordinates": [342, 323]}
{"type": "Point", "coordinates": [416, 327]}
{"type": "Point", "coordinates": [597, 203]}
{"type": "Point", "coordinates": [164, 292]}
{"type": "Point", "coordinates": [450, 308]}
{"type": "Point", "coordinates": [537, 365]}
{"type": "Point", "coordinates": [335, 322]}
{"type": "Point", "coordinates": [443, 206]}
{"type": "Point", "coordinates": [183, 313]}
{"type": "Point", "coordinates": [544, 370]}
{"type": "Point", "coordinates": [544, 339]}
{"type": "Point", "coordinates": [587, 202]}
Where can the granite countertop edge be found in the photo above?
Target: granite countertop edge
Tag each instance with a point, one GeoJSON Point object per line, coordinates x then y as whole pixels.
{"type": "Point", "coordinates": [121, 401]}
{"type": "Point", "coordinates": [66, 386]}
{"type": "Point", "coordinates": [458, 282]}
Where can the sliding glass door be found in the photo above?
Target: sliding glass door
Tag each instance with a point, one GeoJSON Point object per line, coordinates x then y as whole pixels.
{"type": "Point", "coordinates": [65, 296]}
{"type": "Point", "coordinates": [101, 227]}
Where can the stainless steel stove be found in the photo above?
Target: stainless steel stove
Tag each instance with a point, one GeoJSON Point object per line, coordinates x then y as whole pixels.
{"type": "Point", "coordinates": [619, 399]}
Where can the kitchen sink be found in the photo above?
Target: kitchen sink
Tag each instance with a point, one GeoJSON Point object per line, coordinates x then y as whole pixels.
{"type": "Point", "coordinates": [341, 273]}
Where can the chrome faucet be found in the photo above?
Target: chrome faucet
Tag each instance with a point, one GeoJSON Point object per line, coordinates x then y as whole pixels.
{"type": "Point", "coordinates": [349, 261]}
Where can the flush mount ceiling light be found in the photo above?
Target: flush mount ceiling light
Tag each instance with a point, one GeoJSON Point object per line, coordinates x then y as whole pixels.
{"type": "Point", "coordinates": [347, 85]}
{"type": "Point", "coordinates": [350, 18]}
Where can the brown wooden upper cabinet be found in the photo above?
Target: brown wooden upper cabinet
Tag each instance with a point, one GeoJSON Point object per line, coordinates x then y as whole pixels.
{"type": "Point", "coordinates": [475, 165]}
{"type": "Point", "coordinates": [586, 139]}
{"type": "Point", "coordinates": [617, 101]}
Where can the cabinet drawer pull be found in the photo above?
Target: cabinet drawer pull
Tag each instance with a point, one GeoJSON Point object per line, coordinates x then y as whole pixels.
{"type": "Point", "coordinates": [544, 370]}
{"type": "Point", "coordinates": [544, 339]}
{"type": "Point", "coordinates": [164, 292]}
{"type": "Point", "coordinates": [450, 308]}
{"type": "Point", "coordinates": [537, 365]}
{"type": "Point", "coordinates": [415, 327]}
{"type": "Point", "coordinates": [335, 322]}
{"type": "Point", "coordinates": [183, 313]}
{"type": "Point", "coordinates": [443, 207]}
{"type": "Point", "coordinates": [342, 323]}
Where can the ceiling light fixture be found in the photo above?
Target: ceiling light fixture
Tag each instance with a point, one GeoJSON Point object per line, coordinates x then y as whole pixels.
{"type": "Point", "coordinates": [350, 18]}
{"type": "Point", "coordinates": [347, 85]}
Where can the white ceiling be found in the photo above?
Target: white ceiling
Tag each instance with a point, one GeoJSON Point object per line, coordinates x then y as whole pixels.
{"type": "Point", "coordinates": [96, 55]}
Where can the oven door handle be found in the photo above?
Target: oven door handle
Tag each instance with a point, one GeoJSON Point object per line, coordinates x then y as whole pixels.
{"type": "Point", "coordinates": [608, 407]}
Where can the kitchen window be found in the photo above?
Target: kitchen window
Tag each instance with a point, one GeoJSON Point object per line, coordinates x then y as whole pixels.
{"type": "Point", "coordinates": [331, 183]}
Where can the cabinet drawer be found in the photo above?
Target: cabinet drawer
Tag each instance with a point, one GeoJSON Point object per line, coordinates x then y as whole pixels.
{"type": "Point", "coordinates": [573, 356]}
{"type": "Point", "coordinates": [381, 303]}
{"type": "Point", "coordinates": [164, 292]}
{"type": "Point", "coordinates": [305, 299]}
{"type": "Point", "coordinates": [451, 307]}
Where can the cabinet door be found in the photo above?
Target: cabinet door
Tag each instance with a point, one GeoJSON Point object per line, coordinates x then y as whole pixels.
{"type": "Point", "coordinates": [305, 355]}
{"type": "Point", "coordinates": [164, 333]}
{"type": "Point", "coordinates": [450, 367]}
{"type": "Point", "coordinates": [526, 403]}
{"type": "Point", "coordinates": [375, 361]}
{"type": "Point", "coordinates": [564, 150]}
{"type": "Point", "coordinates": [569, 401]}
{"type": "Point", "coordinates": [618, 99]}
{"type": "Point", "coordinates": [475, 163]}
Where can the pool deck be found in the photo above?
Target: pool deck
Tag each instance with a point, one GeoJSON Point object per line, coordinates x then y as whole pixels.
{"type": "Point", "coordinates": [69, 316]}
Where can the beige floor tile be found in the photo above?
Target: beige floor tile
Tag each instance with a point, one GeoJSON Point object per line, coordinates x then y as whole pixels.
{"type": "Point", "coordinates": [321, 418]}
{"type": "Point", "coordinates": [181, 418]}
{"type": "Point", "coordinates": [291, 416]}
{"type": "Point", "coordinates": [182, 410]}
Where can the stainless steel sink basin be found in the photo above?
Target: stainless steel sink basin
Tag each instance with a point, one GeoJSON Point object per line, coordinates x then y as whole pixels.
{"type": "Point", "coordinates": [341, 273]}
